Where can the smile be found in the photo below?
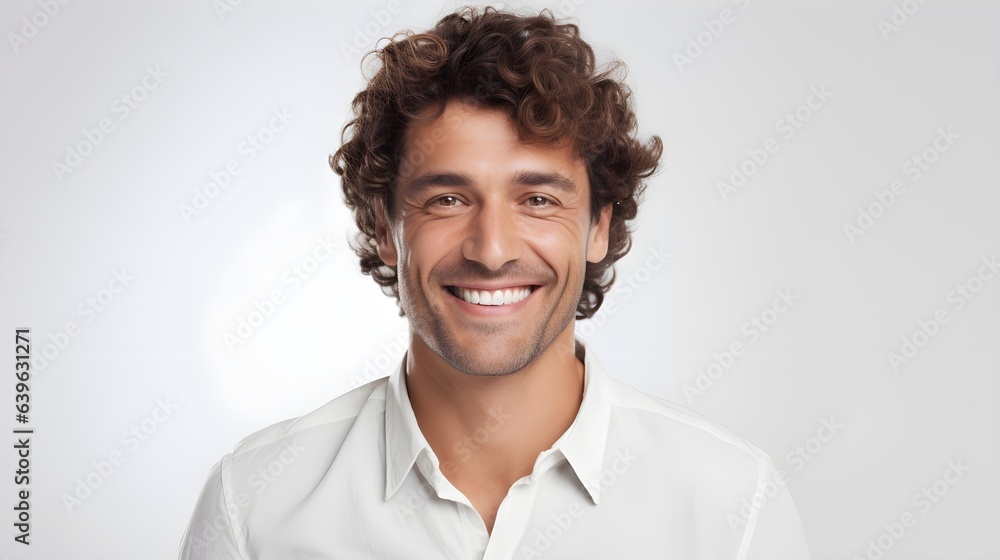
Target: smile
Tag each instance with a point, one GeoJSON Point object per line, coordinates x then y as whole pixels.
{"type": "Point", "coordinates": [506, 296]}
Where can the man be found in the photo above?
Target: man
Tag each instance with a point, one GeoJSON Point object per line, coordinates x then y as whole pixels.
{"type": "Point", "coordinates": [491, 170]}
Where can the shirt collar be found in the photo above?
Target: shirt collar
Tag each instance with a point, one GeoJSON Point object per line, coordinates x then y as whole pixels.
{"type": "Point", "coordinates": [403, 439]}
{"type": "Point", "coordinates": [583, 444]}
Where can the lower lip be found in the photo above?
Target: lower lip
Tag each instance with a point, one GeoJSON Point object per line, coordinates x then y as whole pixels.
{"type": "Point", "coordinates": [489, 310]}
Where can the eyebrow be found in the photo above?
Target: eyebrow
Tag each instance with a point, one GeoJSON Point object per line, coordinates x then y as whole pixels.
{"type": "Point", "coordinates": [535, 178]}
{"type": "Point", "coordinates": [430, 180]}
{"type": "Point", "coordinates": [529, 178]}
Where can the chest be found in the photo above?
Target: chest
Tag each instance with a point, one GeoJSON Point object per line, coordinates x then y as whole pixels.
{"type": "Point", "coordinates": [486, 497]}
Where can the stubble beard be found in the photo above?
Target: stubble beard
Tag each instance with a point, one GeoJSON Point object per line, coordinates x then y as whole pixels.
{"type": "Point", "coordinates": [494, 357]}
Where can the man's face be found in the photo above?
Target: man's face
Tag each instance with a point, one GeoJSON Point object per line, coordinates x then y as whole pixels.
{"type": "Point", "coordinates": [490, 237]}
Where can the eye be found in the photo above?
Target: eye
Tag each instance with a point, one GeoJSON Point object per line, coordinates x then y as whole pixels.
{"type": "Point", "coordinates": [447, 200]}
{"type": "Point", "coordinates": [538, 201]}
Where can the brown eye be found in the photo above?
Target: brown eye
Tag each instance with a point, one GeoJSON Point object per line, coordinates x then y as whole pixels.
{"type": "Point", "coordinates": [448, 201]}
{"type": "Point", "coordinates": [539, 201]}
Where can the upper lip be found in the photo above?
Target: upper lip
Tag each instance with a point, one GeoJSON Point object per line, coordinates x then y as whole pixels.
{"type": "Point", "coordinates": [494, 286]}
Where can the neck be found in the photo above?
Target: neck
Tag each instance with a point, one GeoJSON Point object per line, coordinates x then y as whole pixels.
{"type": "Point", "coordinates": [494, 427]}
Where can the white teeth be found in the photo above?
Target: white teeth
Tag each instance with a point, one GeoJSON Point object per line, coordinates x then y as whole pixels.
{"type": "Point", "coordinates": [497, 297]}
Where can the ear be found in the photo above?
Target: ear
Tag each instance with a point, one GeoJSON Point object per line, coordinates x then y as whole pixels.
{"type": "Point", "coordinates": [383, 236]}
{"type": "Point", "coordinates": [597, 246]}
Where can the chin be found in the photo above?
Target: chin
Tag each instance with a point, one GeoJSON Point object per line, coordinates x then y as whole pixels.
{"type": "Point", "coordinates": [484, 367]}
{"type": "Point", "coordinates": [485, 359]}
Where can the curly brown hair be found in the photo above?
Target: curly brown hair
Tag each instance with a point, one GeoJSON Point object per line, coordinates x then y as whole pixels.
{"type": "Point", "coordinates": [536, 69]}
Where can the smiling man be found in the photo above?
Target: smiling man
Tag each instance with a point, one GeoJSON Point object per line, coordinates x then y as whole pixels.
{"type": "Point", "coordinates": [492, 169]}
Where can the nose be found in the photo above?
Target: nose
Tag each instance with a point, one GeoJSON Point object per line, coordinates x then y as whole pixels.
{"type": "Point", "coordinates": [494, 237]}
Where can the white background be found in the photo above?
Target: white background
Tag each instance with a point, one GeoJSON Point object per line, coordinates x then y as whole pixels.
{"type": "Point", "coordinates": [160, 340]}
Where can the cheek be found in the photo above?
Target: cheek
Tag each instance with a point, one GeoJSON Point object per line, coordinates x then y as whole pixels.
{"type": "Point", "coordinates": [560, 244]}
{"type": "Point", "coordinates": [424, 245]}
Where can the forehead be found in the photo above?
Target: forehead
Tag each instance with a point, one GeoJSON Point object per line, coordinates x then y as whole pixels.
{"type": "Point", "coordinates": [460, 121]}
{"type": "Point", "coordinates": [478, 141]}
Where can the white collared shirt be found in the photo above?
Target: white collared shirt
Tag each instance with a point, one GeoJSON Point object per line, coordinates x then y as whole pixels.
{"type": "Point", "coordinates": [633, 477]}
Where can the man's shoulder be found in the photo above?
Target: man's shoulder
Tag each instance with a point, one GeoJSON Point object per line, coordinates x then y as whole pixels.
{"type": "Point", "coordinates": [339, 415]}
{"type": "Point", "coordinates": [683, 426]}
{"type": "Point", "coordinates": [272, 471]}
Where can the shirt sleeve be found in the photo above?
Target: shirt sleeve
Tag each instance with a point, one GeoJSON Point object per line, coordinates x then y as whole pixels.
{"type": "Point", "coordinates": [212, 532]}
{"type": "Point", "coordinates": [774, 530]}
